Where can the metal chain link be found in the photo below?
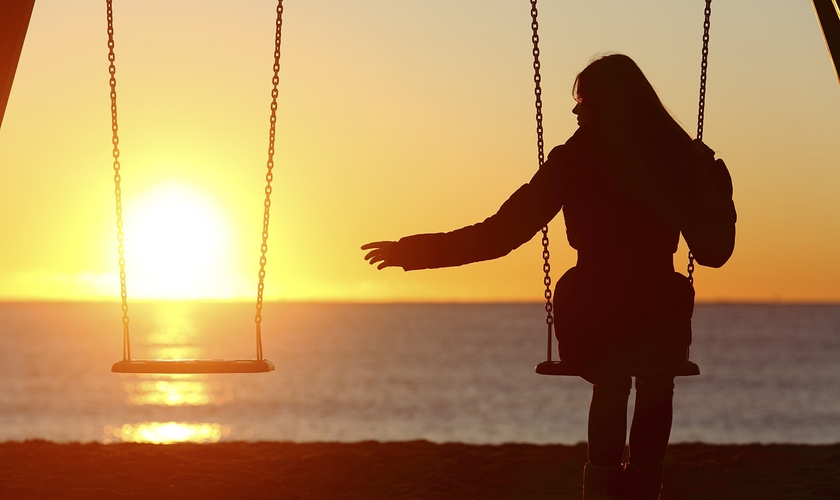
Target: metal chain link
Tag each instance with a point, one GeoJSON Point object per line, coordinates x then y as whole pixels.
{"type": "Point", "coordinates": [704, 64]}
{"type": "Point", "coordinates": [115, 140]}
{"type": "Point", "coordinates": [549, 307]}
{"type": "Point", "coordinates": [535, 38]}
{"type": "Point", "coordinates": [269, 176]}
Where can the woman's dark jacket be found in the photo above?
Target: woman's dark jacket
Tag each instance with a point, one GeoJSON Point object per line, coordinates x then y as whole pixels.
{"type": "Point", "coordinates": [622, 308]}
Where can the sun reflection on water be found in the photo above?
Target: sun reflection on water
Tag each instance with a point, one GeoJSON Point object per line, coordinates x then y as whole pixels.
{"type": "Point", "coordinates": [165, 433]}
{"type": "Point", "coordinates": [174, 335]}
{"type": "Point", "coordinates": [177, 390]}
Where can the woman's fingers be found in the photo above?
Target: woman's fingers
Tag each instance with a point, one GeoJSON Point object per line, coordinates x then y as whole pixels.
{"type": "Point", "coordinates": [374, 258]}
{"type": "Point", "coordinates": [373, 253]}
{"type": "Point", "coordinates": [377, 244]}
{"type": "Point", "coordinates": [379, 253]}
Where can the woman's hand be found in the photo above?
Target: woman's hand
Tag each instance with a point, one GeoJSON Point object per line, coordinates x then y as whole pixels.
{"type": "Point", "coordinates": [380, 251]}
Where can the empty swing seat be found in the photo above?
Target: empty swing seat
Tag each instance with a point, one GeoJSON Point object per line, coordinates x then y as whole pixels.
{"type": "Point", "coordinates": [192, 366]}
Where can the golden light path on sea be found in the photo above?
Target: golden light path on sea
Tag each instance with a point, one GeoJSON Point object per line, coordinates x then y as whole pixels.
{"type": "Point", "coordinates": [165, 433]}
{"type": "Point", "coordinates": [173, 335]}
{"type": "Point", "coordinates": [177, 390]}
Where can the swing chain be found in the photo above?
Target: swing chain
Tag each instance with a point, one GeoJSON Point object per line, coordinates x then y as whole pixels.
{"type": "Point", "coordinates": [269, 176]}
{"type": "Point", "coordinates": [703, 68]}
{"type": "Point", "coordinates": [535, 38]}
{"type": "Point", "coordinates": [704, 64]}
{"type": "Point", "coordinates": [115, 140]}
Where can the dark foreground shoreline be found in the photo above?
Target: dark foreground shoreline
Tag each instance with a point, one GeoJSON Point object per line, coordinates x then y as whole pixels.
{"type": "Point", "coordinates": [395, 470]}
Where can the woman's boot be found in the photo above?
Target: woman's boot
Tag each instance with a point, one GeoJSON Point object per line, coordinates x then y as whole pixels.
{"type": "Point", "coordinates": [640, 483]}
{"type": "Point", "coordinates": [601, 482]}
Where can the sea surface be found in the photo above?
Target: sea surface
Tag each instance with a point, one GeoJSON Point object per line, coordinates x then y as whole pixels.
{"type": "Point", "coordinates": [351, 372]}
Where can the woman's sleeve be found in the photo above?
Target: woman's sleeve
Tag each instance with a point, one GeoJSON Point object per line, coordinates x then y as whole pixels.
{"type": "Point", "coordinates": [530, 208]}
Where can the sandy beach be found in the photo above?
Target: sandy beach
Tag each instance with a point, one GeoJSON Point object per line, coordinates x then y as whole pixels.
{"type": "Point", "coordinates": [395, 470]}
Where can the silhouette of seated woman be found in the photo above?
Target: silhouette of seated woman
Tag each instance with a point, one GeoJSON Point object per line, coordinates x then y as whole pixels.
{"type": "Point", "coordinates": [622, 310]}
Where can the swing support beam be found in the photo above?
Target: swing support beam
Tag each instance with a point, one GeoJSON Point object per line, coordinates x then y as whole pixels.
{"type": "Point", "coordinates": [14, 21]}
{"type": "Point", "coordinates": [828, 14]}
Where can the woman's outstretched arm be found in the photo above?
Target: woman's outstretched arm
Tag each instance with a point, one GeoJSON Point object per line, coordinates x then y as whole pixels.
{"type": "Point", "coordinates": [530, 208]}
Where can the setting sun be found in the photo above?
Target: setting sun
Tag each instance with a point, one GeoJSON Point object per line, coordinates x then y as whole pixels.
{"type": "Point", "coordinates": [177, 245]}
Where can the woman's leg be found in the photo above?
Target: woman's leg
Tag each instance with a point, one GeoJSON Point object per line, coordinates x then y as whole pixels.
{"type": "Point", "coordinates": [608, 419]}
{"type": "Point", "coordinates": [652, 418]}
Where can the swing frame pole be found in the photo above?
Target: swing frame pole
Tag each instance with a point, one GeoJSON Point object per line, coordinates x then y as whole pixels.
{"type": "Point", "coordinates": [14, 22]}
{"type": "Point", "coordinates": [828, 14]}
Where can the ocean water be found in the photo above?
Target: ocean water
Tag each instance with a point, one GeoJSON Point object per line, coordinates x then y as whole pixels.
{"type": "Point", "coordinates": [350, 372]}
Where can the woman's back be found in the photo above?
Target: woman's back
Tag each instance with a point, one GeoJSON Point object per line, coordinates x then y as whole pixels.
{"type": "Point", "coordinates": [623, 206]}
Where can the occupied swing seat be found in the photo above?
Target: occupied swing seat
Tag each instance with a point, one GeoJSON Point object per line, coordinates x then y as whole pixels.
{"type": "Point", "coordinates": [685, 369]}
{"type": "Point", "coordinates": [682, 369]}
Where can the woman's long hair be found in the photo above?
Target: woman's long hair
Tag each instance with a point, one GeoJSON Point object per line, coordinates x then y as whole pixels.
{"type": "Point", "coordinates": [623, 100]}
{"type": "Point", "coordinates": [637, 136]}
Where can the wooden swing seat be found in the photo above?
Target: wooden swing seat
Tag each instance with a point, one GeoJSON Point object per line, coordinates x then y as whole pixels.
{"type": "Point", "coordinates": [683, 369]}
{"type": "Point", "coordinates": [193, 366]}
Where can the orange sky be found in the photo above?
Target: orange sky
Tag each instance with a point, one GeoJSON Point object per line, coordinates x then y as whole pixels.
{"type": "Point", "coordinates": [393, 120]}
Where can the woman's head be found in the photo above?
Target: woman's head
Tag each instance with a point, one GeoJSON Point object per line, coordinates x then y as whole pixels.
{"type": "Point", "coordinates": [613, 90]}
{"type": "Point", "coordinates": [647, 148]}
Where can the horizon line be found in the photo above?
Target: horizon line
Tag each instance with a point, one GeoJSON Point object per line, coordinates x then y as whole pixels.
{"type": "Point", "coordinates": [778, 302]}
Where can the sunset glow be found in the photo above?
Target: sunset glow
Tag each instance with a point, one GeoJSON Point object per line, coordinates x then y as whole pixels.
{"type": "Point", "coordinates": [428, 132]}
